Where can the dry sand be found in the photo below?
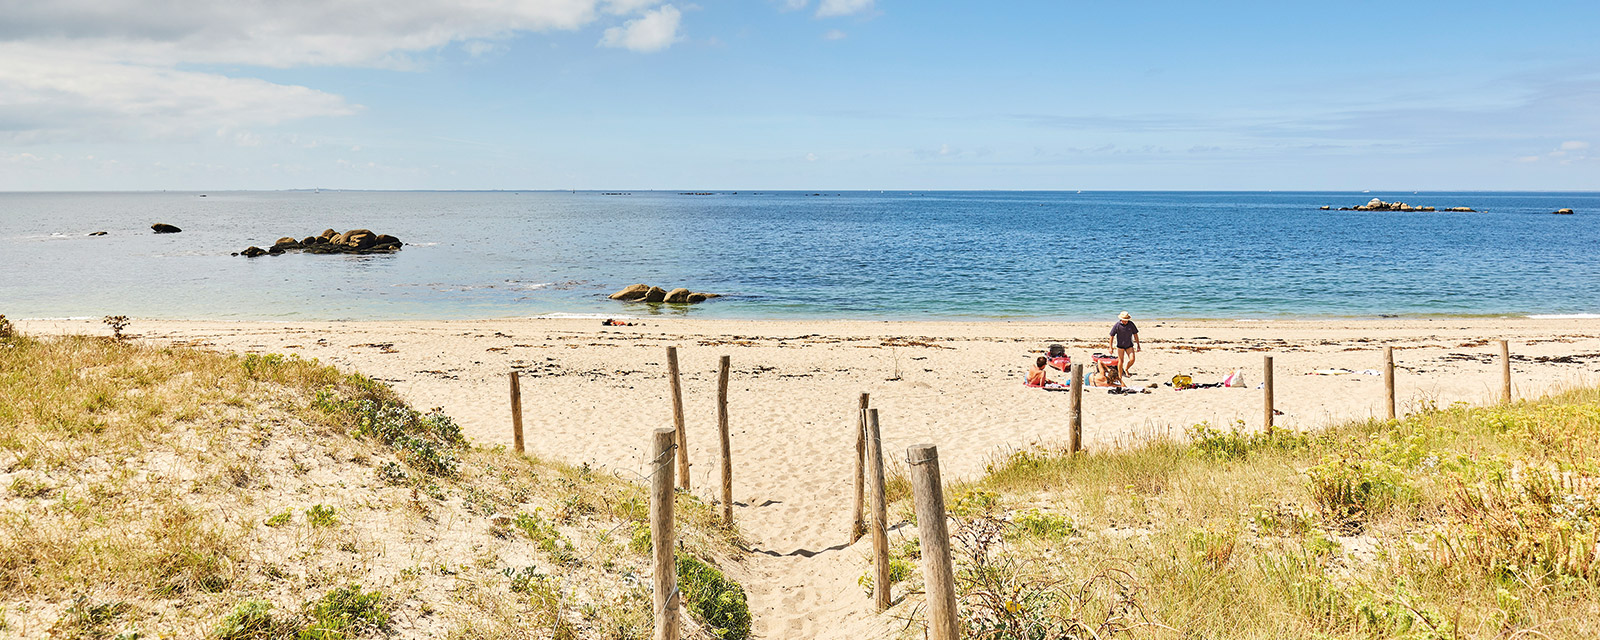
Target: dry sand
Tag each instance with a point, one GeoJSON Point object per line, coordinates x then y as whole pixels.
{"type": "Point", "coordinates": [593, 393]}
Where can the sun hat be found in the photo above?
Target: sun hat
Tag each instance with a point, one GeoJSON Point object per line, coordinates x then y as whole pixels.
{"type": "Point", "coordinates": [1124, 315]}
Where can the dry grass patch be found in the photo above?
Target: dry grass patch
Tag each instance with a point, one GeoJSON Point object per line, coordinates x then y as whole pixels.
{"type": "Point", "coordinates": [1459, 522]}
{"type": "Point", "coordinates": [181, 493]}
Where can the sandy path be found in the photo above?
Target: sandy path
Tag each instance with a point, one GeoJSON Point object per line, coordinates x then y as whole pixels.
{"type": "Point", "coordinates": [592, 394]}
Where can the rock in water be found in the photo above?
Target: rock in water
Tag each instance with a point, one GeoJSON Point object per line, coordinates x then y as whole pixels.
{"type": "Point", "coordinates": [101, 233]}
{"type": "Point", "coordinates": [679, 295]}
{"type": "Point", "coordinates": [632, 293]}
{"type": "Point", "coordinates": [161, 227]}
{"type": "Point", "coordinates": [286, 243]}
{"type": "Point", "coordinates": [253, 252]}
{"type": "Point", "coordinates": [1559, 212]}
{"type": "Point", "coordinates": [327, 234]}
{"type": "Point", "coordinates": [1462, 209]}
{"type": "Point", "coordinates": [655, 294]}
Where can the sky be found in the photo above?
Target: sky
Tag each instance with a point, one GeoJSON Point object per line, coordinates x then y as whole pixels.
{"type": "Point", "coordinates": [798, 94]}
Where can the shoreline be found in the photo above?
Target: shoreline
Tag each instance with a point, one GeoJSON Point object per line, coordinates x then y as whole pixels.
{"type": "Point", "coordinates": [672, 316]}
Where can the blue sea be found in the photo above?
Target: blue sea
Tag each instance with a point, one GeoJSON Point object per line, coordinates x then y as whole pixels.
{"type": "Point", "coordinates": [874, 255]}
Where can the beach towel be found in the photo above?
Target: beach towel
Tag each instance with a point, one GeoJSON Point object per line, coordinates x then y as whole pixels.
{"type": "Point", "coordinates": [1328, 372]}
{"type": "Point", "coordinates": [1060, 363]}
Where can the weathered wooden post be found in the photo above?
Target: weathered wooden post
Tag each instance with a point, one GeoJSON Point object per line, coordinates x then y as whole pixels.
{"type": "Point", "coordinates": [857, 525]}
{"type": "Point", "coordinates": [677, 418]}
{"type": "Point", "coordinates": [727, 453]}
{"type": "Point", "coordinates": [1075, 439]}
{"type": "Point", "coordinates": [938, 574]}
{"type": "Point", "coordinates": [516, 412]}
{"type": "Point", "coordinates": [1388, 379]}
{"type": "Point", "coordinates": [1505, 372]}
{"type": "Point", "coordinates": [880, 514]}
{"type": "Point", "coordinates": [663, 539]}
{"type": "Point", "coordinates": [1266, 386]}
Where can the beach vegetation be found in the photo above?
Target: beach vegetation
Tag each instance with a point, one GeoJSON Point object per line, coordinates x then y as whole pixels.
{"type": "Point", "coordinates": [1455, 522]}
{"type": "Point", "coordinates": [117, 324]}
{"type": "Point", "coordinates": [715, 601]}
{"type": "Point", "coordinates": [137, 480]}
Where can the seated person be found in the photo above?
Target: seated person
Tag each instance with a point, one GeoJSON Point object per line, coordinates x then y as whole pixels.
{"type": "Point", "coordinates": [1036, 375]}
{"type": "Point", "coordinates": [1106, 373]}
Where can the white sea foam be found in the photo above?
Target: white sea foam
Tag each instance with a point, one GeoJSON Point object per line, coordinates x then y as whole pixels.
{"type": "Point", "coordinates": [1565, 316]}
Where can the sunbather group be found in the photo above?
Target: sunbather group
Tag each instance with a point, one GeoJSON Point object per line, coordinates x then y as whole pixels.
{"type": "Point", "coordinates": [1108, 370]}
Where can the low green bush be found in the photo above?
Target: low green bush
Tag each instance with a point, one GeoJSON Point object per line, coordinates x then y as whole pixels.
{"type": "Point", "coordinates": [719, 603]}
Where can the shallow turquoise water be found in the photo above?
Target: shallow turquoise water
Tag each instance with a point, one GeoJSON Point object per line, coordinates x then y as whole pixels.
{"type": "Point", "coordinates": [788, 254]}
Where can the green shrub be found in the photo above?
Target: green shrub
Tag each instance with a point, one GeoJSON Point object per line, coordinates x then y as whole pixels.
{"type": "Point", "coordinates": [1043, 525]}
{"type": "Point", "coordinates": [321, 515]}
{"type": "Point", "coordinates": [900, 570]}
{"type": "Point", "coordinates": [346, 612]}
{"type": "Point", "coordinates": [548, 539]}
{"type": "Point", "coordinates": [281, 519]}
{"type": "Point", "coordinates": [1350, 489]}
{"type": "Point", "coordinates": [252, 620]}
{"type": "Point", "coordinates": [430, 442]}
{"type": "Point", "coordinates": [719, 603]}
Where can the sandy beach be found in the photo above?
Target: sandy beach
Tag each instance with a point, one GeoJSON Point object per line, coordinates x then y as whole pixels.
{"type": "Point", "coordinates": [592, 394]}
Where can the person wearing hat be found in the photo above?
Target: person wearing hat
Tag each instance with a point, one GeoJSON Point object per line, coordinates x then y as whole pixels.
{"type": "Point", "coordinates": [1124, 341]}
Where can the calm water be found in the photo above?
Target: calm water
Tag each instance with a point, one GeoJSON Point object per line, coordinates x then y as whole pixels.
{"type": "Point", "coordinates": [851, 255]}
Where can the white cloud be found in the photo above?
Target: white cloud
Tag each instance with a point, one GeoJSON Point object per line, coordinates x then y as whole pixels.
{"type": "Point", "coordinates": [830, 8]}
{"type": "Point", "coordinates": [46, 96]}
{"type": "Point", "coordinates": [653, 31]}
{"type": "Point", "coordinates": [1574, 145]}
{"type": "Point", "coordinates": [628, 7]}
{"type": "Point", "coordinates": [116, 69]}
{"type": "Point", "coordinates": [833, 34]}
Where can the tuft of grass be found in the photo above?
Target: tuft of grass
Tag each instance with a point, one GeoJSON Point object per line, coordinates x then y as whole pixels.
{"type": "Point", "coordinates": [321, 515]}
{"type": "Point", "coordinates": [346, 612]}
{"type": "Point", "coordinates": [253, 620]}
{"type": "Point", "coordinates": [717, 602]}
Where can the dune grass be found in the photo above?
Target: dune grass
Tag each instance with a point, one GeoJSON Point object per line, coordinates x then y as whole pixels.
{"type": "Point", "coordinates": [171, 492]}
{"type": "Point", "coordinates": [1462, 522]}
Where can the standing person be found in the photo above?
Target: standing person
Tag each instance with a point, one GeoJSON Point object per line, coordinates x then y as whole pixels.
{"type": "Point", "coordinates": [1124, 341]}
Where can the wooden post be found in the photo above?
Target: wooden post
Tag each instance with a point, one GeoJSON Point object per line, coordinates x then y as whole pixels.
{"type": "Point", "coordinates": [1266, 386]}
{"type": "Point", "coordinates": [880, 514]}
{"type": "Point", "coordinates": [663, 540]}
{"type": "Point", "coordinates": [516, 412]}
{"type": "Point", "coordinates": [1075, 439]}
{"type": "Point", "coordinates": [727, 454]}
{"type": "Point", "coordinates": [1388, 379]}
{"type": "Point", "coordinates": [938, 575]}
{"type": "Point", "coordinates": [677, 418]}
{"type": "Point", "coordinates": [1505, 372]}
{"type": "Point", "coordinates": [857, 525]}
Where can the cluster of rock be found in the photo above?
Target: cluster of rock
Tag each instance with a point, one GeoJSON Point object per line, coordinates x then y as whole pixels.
{"type": "Point", "coordinates": [330, 241]}
{"type": "Point", "coordinates": [162, 227]}
{"type": "Point", "coordinates": [1379, 205]}
{"type": "Point", "coordinates": [1563, 212]}
{"type": "Point", "coordinates": [647, 293]}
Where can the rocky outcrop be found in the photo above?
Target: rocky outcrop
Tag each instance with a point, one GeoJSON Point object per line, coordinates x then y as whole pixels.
{"type": "Point", "coordinates": [647, 293]}
{"type": "Point", "coordinates": [101, 233]}
{"type": "Point", "coordinates": [162, 227]}
{"type": "Point", "coordinates": [677, 296]}
{"type": "Point", "coordinates": [329, 241]}
{"type": "Point", "coordinates": [1563, 212]}
{"type": "Point", "coordinates": [1376, 204]}
{"type": "Point", "coordinates": [1462, 209]}
{"type": "Point", "coordinates": [631, 293]}
{"type": "Point", "coordinates": [252, 252]}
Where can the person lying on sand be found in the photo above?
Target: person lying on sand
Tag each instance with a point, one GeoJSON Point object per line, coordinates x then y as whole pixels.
{"type": "Point", "coordinates": [616, 323]}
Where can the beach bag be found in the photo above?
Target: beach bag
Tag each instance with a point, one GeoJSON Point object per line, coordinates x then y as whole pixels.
{"type": "Point", "coordinates": [1235, 379]}
{"type": "Point", "coordinates": [1181, 381]}
{"type": "Point", "coordinates": [1057, 351]}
